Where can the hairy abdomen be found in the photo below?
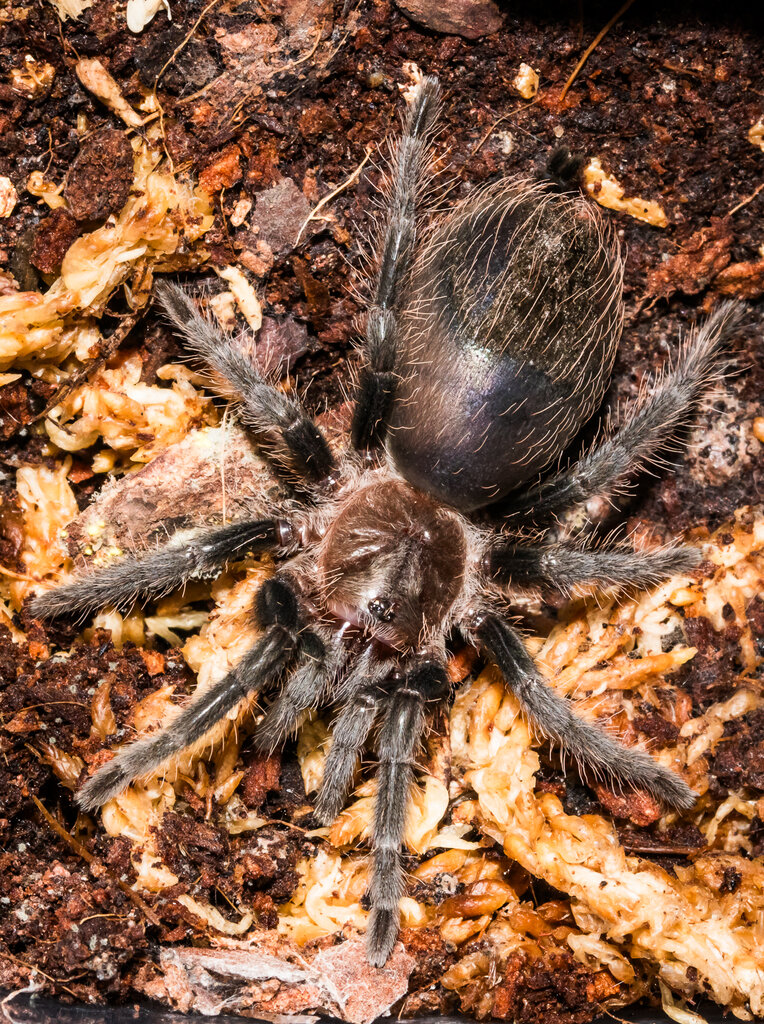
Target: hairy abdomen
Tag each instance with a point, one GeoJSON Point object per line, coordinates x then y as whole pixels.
{"type": "Point", "coordinates": [509, 331]}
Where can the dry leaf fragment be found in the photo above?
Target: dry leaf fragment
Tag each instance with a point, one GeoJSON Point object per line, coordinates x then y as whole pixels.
{"type": "Point", "coordinates": [8, 197]}
{"type": "Point", "coordinates": [97, 80]}
{"type": "Point", "coordinates": [71, 8]}
{"type": "Point", "coordinates": [38, 185]}
{"type": "Point", "coordinates": [607, 191]}
{"type": "Point", "coordinates": [245, 295]}
{"type": "Point", "coordinates": [33, 78]}
{"type": "Point", "coordinates": [163, 215]}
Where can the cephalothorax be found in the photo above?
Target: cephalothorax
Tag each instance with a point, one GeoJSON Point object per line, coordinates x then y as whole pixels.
{"type": "Point", "coordinates": [489, 341]}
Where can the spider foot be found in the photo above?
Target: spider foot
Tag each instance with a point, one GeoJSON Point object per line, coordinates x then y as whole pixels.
{"type": "Point", "coordinates": [381, 935]}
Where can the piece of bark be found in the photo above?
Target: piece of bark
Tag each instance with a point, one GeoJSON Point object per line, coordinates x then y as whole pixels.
{"type": "Point", "coordinates": [635, 805]}
{"type": "Point", "coordinates": [53, 237]}
{"type": "Point", "coordinates": [741, 280]}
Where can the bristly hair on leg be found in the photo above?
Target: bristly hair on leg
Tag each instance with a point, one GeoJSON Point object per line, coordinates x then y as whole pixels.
{"type": "Point", "coordinates": [647, 434]}
{"type": "Point", "coordinates": [591, 747]}
{"type": "Point", "coordinates": [303, 690]}
{"type": "Point", "coordinates": [564, 568]}
{"type": "Point", "coordinates": [360, 699]}
{"type": "Point", "coordinates": [377, 378]}
{"type": "Point", "coordinates": [159, 572]}
{"type": "Point", "coordinates": [259, 668]}
{"type": "Point", "coordinates": [291, 438]}
{"type": "Point", "coordinates": [399, 738]}
{"type": "Point", "coordinates": [277, 611]}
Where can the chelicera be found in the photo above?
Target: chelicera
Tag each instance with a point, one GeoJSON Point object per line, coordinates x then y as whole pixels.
{"type": "Point", "coordinates": [489, 342]}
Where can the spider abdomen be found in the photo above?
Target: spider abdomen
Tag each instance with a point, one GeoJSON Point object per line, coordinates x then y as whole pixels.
{"type": "Point", "coordinates": [508, 335]}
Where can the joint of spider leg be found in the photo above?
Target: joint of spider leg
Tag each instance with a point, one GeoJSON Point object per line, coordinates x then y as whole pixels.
{"type": "Point", "coordinates": [286, 535]}
{"type": "Point", "coordinates": [486, 565]}
{"type": "Point", "coordinates": [329, 484]}
{"type": "Point", "coordinates": [473, 618]}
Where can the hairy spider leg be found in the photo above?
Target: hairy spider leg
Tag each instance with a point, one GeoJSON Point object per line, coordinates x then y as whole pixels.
{"type": "Point", "coordinates": [277, 611]}
{"type": "Point", "coordinates": [288, 435]}
{"type": "Point", "coordinates": [363, 691]}
{"type": "Point", "coordinates": [377, 378]}
{"type": "Point", "coordinates": [646, 435]}
{"type": "Point", "coordinates": [305, 689]}
{"type": "Point", "coordinates": [399, 737]}
{"type": "Point", "coordinates": [588, 744]}
{"type": "Point", "coordinates": [162, 571]}
{"type": "Point", "coordinates": [562, 567]}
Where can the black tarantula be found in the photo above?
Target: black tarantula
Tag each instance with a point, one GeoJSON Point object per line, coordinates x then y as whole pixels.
{"type": "Point", "coordinates": [489, 342]}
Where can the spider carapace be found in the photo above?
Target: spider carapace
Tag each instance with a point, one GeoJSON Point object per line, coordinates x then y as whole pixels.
{"type": "Point", "coordinates": [490, 338]}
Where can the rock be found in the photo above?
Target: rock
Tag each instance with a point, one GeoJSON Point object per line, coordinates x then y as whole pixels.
{"type": "Point", "coordinates": [280, 344]}
{"type": "Point", "coordinates": [99, 180]}
{"type": "Point", "coordinates": [365, 992]}
{"type": "Point", "coordinates": [469, 18]}
{"type": "Point", "coordinates": [338, 981]}
{"type": "Point", "coordinates": [181, 488]}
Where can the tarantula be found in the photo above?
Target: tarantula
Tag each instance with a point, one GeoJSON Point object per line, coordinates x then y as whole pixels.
{"type": "Point", "coordinates": [489, 341]}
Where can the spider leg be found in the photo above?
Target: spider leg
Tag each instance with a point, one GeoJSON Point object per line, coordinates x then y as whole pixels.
{"type": "Point", "coordinates": [349, 734]}
{"type": "Point", "coordinates": [399, 737]}
{"type": "Point", "coordinates": [277, 611]}
{"type": "Point", "coordinates": [304, 689]}
{"type": "Point", "coordinates": [161, 571]}
{"type": "Point", "coordinates": [377, 378]}
{"type": "Point", "coordinates": [292, 439]}
{"type": "Point", "coordinates": [646, 435]}
{"type": "Point", "coordinates": [559, 567]}
{"type": "Point", "coordinates": [589, 745]}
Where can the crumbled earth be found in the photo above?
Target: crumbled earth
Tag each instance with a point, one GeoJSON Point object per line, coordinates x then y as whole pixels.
{"type": "Point", "coordinates": [272, 108]}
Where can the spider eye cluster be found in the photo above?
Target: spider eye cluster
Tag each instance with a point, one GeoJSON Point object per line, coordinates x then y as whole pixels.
{"type": "Point", "coordinates": [382, 609]}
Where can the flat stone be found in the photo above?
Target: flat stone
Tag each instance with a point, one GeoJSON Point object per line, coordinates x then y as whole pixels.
{"type": "Point", "coordinates": [469, 18]}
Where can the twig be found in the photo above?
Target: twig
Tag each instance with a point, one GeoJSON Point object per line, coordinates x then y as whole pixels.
{"type": "Point", "coordinates": [593, 46]}
{"type": "Point", "coordinates": [87, 856]}
{"type": "Point", "coordinates": [745, 202]}
{"type": "Point", "coordinates": [335, 192]}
